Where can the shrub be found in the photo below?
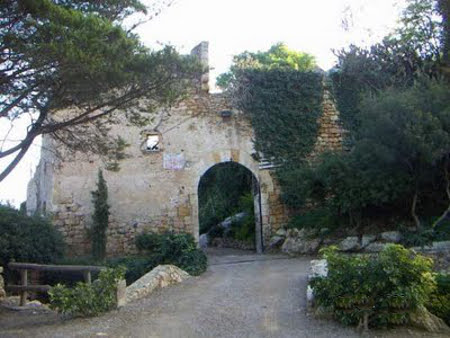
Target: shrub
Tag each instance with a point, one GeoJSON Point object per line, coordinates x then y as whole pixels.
{"type": "Point", "coordinates": [318, 218]}
{"type": "Point", "coordinates": [439, 303]}
{"type": "Point", "coordinates": [136, 266]}
{"type": "Point", "coordinates": [374, 291]}
{"type": "Point", "coordinates": [86, 300]}
{"type": "Point", "coordinates": [27, 239]}
{"type": "Point", "coordinates": [178, 249]}
{"type": "Point", "coordinates": [148, 241]}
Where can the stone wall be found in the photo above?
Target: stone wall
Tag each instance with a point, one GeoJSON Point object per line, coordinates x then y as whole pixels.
{"type": "Point", "coordinates": [158, 190]}
{"type": "Point", "coordinates": [330, 134]}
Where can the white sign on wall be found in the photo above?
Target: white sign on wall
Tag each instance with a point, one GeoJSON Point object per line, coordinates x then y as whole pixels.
{"type": "Point", "coordinates": [174, 161]}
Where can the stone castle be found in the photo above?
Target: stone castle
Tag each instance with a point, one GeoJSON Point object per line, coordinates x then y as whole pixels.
{"type": "Point", "coordinates": [157, 184]}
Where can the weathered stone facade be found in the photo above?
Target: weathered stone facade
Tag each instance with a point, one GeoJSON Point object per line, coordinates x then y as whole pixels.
{"type": "Point", "coordinates": [158, 190]}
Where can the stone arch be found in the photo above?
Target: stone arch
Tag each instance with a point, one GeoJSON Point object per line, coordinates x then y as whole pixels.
{"type": "Point", "coordinates": [261, 197]}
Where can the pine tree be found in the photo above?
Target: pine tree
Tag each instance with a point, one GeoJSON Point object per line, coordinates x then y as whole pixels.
{"type": "Point", "coordinates": [100, 218]}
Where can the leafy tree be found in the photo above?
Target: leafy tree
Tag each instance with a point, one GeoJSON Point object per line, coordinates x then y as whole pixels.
{"type": "Point", "coordinates": [279, 56]}
{"type": "Point", "coordinates": [414, 50]}
{"type": "Point", "coordinates": [72, 70]}
{"type": "Point", "coordinates": [100, 218]}
{"type": "Point", "coordinates": [28, 238]}
{"type": "Point", "coordinates": [399, 161]}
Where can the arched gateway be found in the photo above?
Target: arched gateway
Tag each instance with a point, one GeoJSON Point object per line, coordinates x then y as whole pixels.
{"type": "Point", "coordinates": [156, 186]}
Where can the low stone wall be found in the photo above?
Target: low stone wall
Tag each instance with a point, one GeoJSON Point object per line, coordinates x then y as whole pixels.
{"type": "Point", "coordinates": [159, 277]}
{"type": "Point", "coordinates": [2, 285]}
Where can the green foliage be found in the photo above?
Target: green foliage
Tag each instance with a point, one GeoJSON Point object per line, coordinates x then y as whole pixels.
{"type": "Point", "coordinates": [279, 56]}
{"type": "Point", "coordinates": [74, 55]}
{"type": "Point", "coordinates": [27, 239]}
{"type": "Point", "coordinates": [244, 230]}
{"type": "Point", "coordinates": [179, 249]}
{"type": "Point", "coordinates": [136, 266]}
{"type": "Point", "coordinates": [398, 163]}
{"type": "Point", "coordinates": [412, 51]}
{"type": "Point", "coordinates": [148, 241]}
{"type": "Point", "coordinates": [283, 106]}
{"type": "Point", "coordinates": [374, 291]}
{"type": "Point", "coordinates": [317, 218]}
{"type": "Point", "coordinates": [86, 300]}
{"type": "Point", "coordinates": [100, 218]}
{"type": "Point", "coordinates": [439, 303]}
{"type": "Point", "coordinates": [220, 191]}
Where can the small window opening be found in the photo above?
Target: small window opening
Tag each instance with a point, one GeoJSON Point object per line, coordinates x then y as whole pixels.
{"type": "Point", "coordinates": [153, 142]}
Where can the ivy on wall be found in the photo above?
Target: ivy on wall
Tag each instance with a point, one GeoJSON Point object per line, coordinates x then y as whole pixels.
{"type": "Point", "coordinates": [284, 106]}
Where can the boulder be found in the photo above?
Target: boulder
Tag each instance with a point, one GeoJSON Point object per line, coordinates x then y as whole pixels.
{"type": "Point", "coordinates": [300, 246]}
{"type": "Point", "coordinates": [318, 268]}
{"type": "Point", "coordinates": [227, 222]}
{"type": "Point", "coordinates": [349, 244]}
{"type": "Point", "coordinates": [425, 320]}
{"type": "Point", "coordinates": [367, 239]}
{"type": "Point", "coordinates": [275, 242]}
{"type": "Point", "coordinates": [203, 241]}
{"type": "Point", "coordinates": [281, 233]}
{"type": "Point", "coordinates": [375, 247]}
{"type": "Point", "coordinates": [391, 236]}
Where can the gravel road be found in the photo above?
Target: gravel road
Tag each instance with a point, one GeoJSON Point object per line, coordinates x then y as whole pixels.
{"type": "Point", "coordinates": [241, 295]}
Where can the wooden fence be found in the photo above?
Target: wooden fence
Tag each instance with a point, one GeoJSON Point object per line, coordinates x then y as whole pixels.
{"type": "Point", "coordinates": [23, 268]}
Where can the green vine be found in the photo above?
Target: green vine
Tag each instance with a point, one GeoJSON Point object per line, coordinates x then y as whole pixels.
{"type": "Point", "coordinates": [284, 106]}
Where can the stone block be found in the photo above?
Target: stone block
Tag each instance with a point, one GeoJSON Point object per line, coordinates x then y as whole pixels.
{"type": "Point", "coordinates": [391, 236]}
{"type": "Point", "coordinates": [184, 210]}
{"type": "Point", "coordinates": [349, 244]}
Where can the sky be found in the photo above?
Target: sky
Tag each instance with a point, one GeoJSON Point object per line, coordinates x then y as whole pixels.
{"type": "Point", "coordinates": [234, 26]}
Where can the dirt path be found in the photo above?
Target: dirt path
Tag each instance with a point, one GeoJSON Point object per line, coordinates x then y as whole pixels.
{"type": "Point", "coordinates": [239, 296]}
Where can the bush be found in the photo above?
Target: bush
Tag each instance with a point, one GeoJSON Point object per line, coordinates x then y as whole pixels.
{"type": "Point", "coordinates": [439, 303]}
{"type": "Point", "coordinates": [374, 291]}
{"type": "Point", "coordinates": [27, 239]}
{"type": "Point", "coordinates": [178, 249]}
{"type": "Point", "coordinates": [148, 241]}
{"type": "Point", "coordinates": [319, 218]}
{"type": "Point", "coordinates": [86, 300]}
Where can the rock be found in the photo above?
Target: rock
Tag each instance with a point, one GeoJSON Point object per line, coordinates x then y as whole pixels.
{"type": "Point", "coordinates": [300, 242]}
{"type": "Point", "coordinates": [441, 246]}
{"type": "Point", "coordinates": [367, 239]}
{"type": "Point", "coordinates": [227, 222]}
{"type": "Point", "coordinates": [301, 246]}
{"type": "Point", "coordinates": [295, 233]}
{"type": "Point", "coordinates": [275, 242]}
{"type": "Point", "coordinates": [425, 320]}
{"type": "Point", "coordinates": [391, 236]}
{"type": "Point", "coordinates": [203, 241]}
{"type": "Point", "coordinates": [309, 297]}
{"type": "Point", "coordinates": [375, 247]}
{"type": "Point", "coordinates": [281, 233]}
{"type": "Point", "coordinates": [318, 268]}
{"type": "Point", "coordinates": [2, 285]}
{"type": "Point", "coordinates": [159, 277]}
{"type": "Point", "coordinates": [349, 244]}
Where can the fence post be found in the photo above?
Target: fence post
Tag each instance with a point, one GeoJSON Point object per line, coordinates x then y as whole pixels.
{"type": "Point", "coordinates": [87, 277]}
{"type": "Point", "coordinates": [24, 282]}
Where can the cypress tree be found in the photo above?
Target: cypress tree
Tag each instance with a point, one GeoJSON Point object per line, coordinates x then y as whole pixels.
{"type": "Point", "coordinates": [100, 218]}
